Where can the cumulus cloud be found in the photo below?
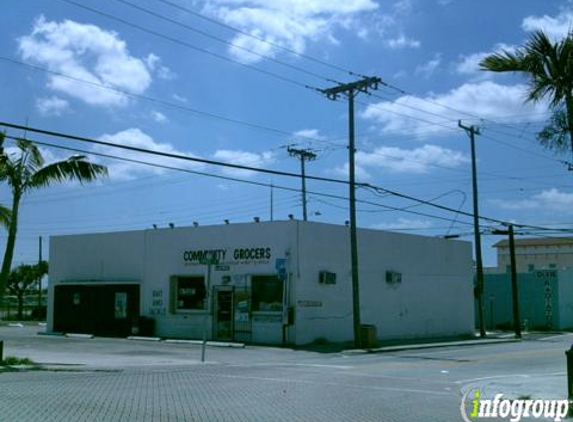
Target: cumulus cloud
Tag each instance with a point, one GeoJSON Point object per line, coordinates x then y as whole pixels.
{"type": "Point", "coordinates": [52, 106]}
{"type": "Point", "coordinates": [552, 200]}
{"type": "Point", "coordinates": [469, 65]}
{"type": "Point", "coordinates": [401, 42]}
{"type": "Point", "coordinates": [556, 27]}
{"type": "Point", "coordinates": [309, 133]}
{"type": "Point", "coordinates": [89, 53]}
{"type": "Point", "coordinates": [489, 100]}
{"type": "Point", "coordinates": [244, 158]}
{"type": "Point", "coordinates": [429, 68]}
{"type": "Point", "coordinates": [137, 138]}
{"type": "Point", "coordinates": [404, 224]}
{"type": "Point", "coordinates": [159, 117]}
{"type": "Point", "coordinates": [289, 23]}
{"type": "Point", "coordinates": [398, 160]}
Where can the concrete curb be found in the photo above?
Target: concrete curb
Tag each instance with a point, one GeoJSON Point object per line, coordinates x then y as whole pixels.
{"type": "Point", "coordinates": [209, 343]}
{"type": "Point", "coordinates": [389, 349]}
{"type": "Point", "coordinates": [75, 335]}
{"type": "Point", "coordinates": [143, 338]}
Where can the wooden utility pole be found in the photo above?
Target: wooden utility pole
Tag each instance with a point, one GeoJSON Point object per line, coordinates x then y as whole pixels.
{"type": "Point", "coordinates": [350, 90]}
{"type": "Point", "coordinates": [303, 155]}
{"type": "Point", "coordinates": [514, 291]}
{"type": "Point", "coordinates": [472, 131]}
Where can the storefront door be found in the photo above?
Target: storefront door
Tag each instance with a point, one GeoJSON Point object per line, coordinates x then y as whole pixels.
{"type": "Point", "coordinates": [224, 300]}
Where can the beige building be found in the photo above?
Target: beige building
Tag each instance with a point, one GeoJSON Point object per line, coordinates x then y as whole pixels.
{"type": "Point", "coordinates": [536, 253]}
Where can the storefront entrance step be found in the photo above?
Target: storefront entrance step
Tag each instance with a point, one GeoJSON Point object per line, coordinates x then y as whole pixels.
{"type": "Point", "coordinates": [209, 343]}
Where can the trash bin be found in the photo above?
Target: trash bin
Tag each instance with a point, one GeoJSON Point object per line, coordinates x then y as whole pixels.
{"type": "Point", "coordinates": [146, 326]}
{"type": "Point", "coordinates": [368, 336]}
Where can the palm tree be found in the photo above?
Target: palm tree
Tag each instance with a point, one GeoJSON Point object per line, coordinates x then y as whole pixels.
{"type": "Point", "coordinates": [549, 68]}
{"type": "Point", "coordinates": [26, 171]}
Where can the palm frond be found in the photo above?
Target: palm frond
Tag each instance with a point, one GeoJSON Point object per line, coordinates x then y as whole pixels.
{"type": "Point", "coordinates": [5, 214]}
{"type": "Point", "coordinates": [74, 168]}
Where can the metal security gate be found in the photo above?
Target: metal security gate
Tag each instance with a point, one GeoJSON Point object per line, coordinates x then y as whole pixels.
{"type": "Point", "coordinates": [242, 315]}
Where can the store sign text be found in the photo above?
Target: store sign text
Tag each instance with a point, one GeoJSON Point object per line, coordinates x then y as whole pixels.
{"type": "Point", "coordinates": [221, 255]}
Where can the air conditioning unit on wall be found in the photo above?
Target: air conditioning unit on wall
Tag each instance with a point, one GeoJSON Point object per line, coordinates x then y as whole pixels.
{"type": "Point", "coordinates": [326, 277]}
{"type": "Point", "coordinates": [393, 277]}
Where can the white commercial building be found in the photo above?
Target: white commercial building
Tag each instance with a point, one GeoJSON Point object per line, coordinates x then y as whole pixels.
{"type": "Point", "coordinates": [271, 283]}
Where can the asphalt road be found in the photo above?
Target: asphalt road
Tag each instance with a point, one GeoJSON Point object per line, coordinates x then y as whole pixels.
{"type": "Point", "coordinates": [120, 380]}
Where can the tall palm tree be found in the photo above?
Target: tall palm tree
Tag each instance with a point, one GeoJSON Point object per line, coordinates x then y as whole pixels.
{"type": "Point", "coordinates": [25, 171]}
{"type": "Point", "coordinates": [548, 67]}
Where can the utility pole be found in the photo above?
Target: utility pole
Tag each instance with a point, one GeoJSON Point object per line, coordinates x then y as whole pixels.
{"type": "Point", "coordinates": [39, 277]}
{"type": "Point", "coordinates": [472, 131]}
{"type": "Point", "coordinates": [272, 201]}
{"type": "Point", "coordinates": [514, 292]}
{"type": "Point", "coordinates": [303, 155]}
{"type": "Point", "coordinates": [350, 90]}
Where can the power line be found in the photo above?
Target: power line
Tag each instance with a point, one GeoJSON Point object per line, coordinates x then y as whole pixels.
{"type": "Point", "coordinates": [229, 178]}
{"type": "Point", "coordinates": [376, 189]}
{"type": "Point", "coordinates": [191, 46]}
{"type": "Point", "coordinates": [211, 36]}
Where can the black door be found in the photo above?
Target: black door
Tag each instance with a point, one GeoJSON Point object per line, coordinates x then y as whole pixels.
{"type": "Point", "coordinates": [107, 310]}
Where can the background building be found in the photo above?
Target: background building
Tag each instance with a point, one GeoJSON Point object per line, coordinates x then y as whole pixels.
{"type": "Point", "coordinates": [536, 253]}
{"type": "Point", "coordinates": [274, 282]}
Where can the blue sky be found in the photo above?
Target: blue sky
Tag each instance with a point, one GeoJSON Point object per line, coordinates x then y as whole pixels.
{"type": "Point", "coordinates": [407, 138]}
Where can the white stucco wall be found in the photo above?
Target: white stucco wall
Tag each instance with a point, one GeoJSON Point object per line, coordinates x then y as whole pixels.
{"type": "Point", "coordinates": [435, 296]}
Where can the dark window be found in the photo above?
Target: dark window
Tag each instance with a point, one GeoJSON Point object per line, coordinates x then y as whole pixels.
{"type": "Point", "coordinates": [267, 292]}
{"type": "Point", "coordinates": [190, 293]}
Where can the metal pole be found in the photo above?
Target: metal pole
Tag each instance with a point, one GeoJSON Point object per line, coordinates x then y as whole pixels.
{"type": "Point", "coordinates": [40, 277]}
{"type": "Point", "coordinates": [477, 236]}
{"type": "Point", "coordinates": [207, 311]}
{"type": "Point", "coordinates": [516, 320]}
{"type": "Point", "coordinates": [302, 170]}
{"type": "Point", "coordinates": [353, 234]}
{"type": "Point", "coordinates": [272, 201]}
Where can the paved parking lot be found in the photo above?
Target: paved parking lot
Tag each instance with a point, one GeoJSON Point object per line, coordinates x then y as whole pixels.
{"type": "Point", "coordinates": [120, 380]}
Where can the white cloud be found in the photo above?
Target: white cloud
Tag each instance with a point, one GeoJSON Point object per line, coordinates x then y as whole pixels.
{"type": "Point", "coordinates": [402, 42]}
{"type": "Point", "coordinates": [429, 68]}
{"type": "Point", "coordinates": [418, 160]}
{"type": "Point", "coordinates": [154, 64]}
{"type": "Point", "coordinates": [89, 53]}
{"type": "Point", "coordinates": [179, 98]}
{"type": "Point", "coordinates": [309, 133]}
{"type": "Point", "coordinates": [552, 200]}
{"type": "Point", "coordinates": [52, 106]}
{"type": "Point", "coordinates": [469, 65]}
{"type": "Point", "coordinates": [404, 223]}
{"type": "Point", "coordinates": [244, 158]}
{"type": "Point", "coordinates": [136, 138]}
{"type": "Point", "coordinates": [159, 117]}
{"type": "Point", "coordinates": [292, 23]}
{"type": "Point", "coordinates": [556, 27]}
{"type": "Point", "coordinates": [487, 99]}
{"type": "Point", "coordinates": [359, 171]}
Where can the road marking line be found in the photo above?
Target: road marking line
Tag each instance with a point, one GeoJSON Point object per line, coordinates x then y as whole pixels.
{"type": "Point", "coordinates": [337, 384]}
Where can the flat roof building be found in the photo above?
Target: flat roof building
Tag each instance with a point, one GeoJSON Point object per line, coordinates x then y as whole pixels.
{"type": "Point", "coordinates": [285, 282]}
{"type": "Point", "coordinates": [536, 253]}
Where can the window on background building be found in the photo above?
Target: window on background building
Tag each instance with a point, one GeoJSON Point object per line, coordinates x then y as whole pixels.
{"type": "Point", "coordinates": [508, 268]}
{"type": "Point", "coordinates": [530, 267]}
{"type": "Point", "coordinates": [187, 293]}
{"type": "Point", "coordinates": [267, 293]}
{"type": "Point", "coordinates": [552, 265]}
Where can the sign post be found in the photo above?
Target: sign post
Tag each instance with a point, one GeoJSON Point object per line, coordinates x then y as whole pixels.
{"type": "Point", "coordinates": [209, 261]}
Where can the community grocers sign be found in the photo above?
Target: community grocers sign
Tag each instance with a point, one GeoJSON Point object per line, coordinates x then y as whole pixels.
{"type": "Point", "coordinates": [228, 256]}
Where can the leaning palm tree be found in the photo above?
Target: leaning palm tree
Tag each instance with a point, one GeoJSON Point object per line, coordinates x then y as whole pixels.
{"type": "Point", "coordinates": [548, 67]}
{"type": "Point", "coordinates": [25, 171]}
